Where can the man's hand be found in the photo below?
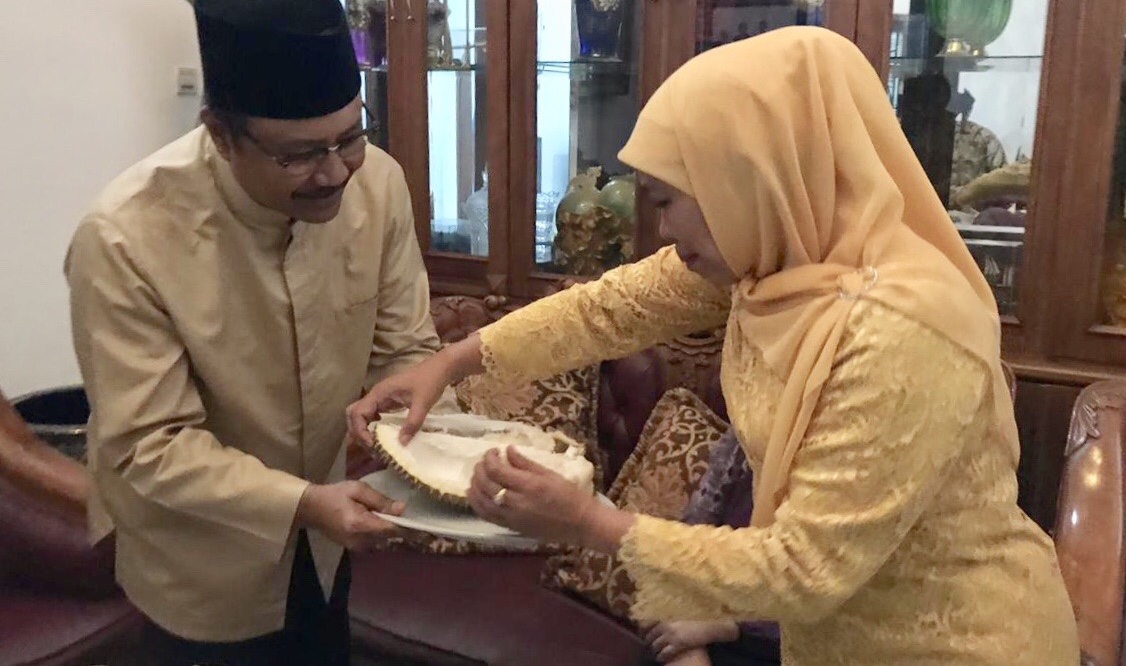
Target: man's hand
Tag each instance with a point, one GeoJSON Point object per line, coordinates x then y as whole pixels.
{"type": "Point", "coordinates": [343, 512]}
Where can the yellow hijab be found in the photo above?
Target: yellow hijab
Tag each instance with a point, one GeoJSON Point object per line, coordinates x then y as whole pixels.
{"type": "Point", "coordinates": [812, 193]}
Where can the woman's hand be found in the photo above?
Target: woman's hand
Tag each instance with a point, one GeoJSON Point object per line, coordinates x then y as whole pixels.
{"type": "Point", "coordinates": [416, 388]}
{"type": "Point", "coordinates": [670, 640]}
{"type": "Point", "coordinates": [540, 503]}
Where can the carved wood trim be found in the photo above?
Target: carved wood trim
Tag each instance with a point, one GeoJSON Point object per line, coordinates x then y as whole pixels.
{"type": "Point", "coordinates": [1090, 525]}
{"type": "Point", "coordinates": [1085, 417]}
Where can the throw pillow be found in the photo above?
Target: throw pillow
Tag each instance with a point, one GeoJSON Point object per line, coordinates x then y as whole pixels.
{"type": "Point", "coordinates": [658, 479]}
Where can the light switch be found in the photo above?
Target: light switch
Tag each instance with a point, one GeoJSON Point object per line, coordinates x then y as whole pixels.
{"type": "Point", "coordinates": [187, 81]}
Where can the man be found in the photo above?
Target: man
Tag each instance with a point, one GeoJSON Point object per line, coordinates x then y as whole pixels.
{"type": "Point", "coordinates": [977, 150]}
{"type": "Point", "coordinates": [231, 295]}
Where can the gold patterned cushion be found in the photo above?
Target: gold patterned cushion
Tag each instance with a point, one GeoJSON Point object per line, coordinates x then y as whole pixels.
{"type": "Point", "coordinates": [567, 403]}
{"type": "Point", "coordinates": [658, 479]}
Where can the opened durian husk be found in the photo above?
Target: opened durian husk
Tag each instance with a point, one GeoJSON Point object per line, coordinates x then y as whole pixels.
{"type": "Point", "coordinates": [440, 458]}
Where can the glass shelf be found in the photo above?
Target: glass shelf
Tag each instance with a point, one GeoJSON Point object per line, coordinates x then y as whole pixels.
{"type": "Point", "coordinates": [456, 72]}
{"type": "Point", "coordinates": [997, 251]}
{"type": "Point", "coordinates": [907, 67]}
{"type": "Point", "coordinates": [581, 66]}
{"type": "Point", "coordinates": [999, 234]}
{"type": "Point", "coordinates": [588, 94]}
{"type": "Point", "coordinates": [476, 67]}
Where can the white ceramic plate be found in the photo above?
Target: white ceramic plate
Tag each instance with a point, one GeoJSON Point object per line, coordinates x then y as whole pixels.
{"type": "Point", "coordinates": [426, 514]}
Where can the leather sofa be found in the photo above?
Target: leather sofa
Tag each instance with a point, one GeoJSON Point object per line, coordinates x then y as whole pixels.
{"type": "Point", "coordinates": [59, 604]}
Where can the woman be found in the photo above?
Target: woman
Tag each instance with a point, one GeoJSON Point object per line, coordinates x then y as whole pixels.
{"type": "Point", "coordinates": [861, 372]}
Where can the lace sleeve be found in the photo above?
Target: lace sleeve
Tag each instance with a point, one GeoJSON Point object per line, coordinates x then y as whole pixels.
{"type": "Point", "coordinates": [628, 309]}
{"type": "Point", "coordinates": [899, 408]}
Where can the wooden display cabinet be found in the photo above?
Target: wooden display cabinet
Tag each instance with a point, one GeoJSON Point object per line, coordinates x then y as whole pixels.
{"type": "Point", "coordinates": [510, 90]}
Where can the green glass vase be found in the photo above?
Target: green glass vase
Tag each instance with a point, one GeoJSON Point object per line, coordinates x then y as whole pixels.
{"type": "Point", "coordinates": [968, 26]}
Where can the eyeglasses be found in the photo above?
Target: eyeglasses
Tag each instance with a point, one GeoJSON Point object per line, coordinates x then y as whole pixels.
{"type": "Point", "coordinates": [303, 164]}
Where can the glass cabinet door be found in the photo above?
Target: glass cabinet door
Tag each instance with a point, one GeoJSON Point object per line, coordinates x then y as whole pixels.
{"type": "Point", "coordinates": [1112, 287]}
{"type": "Point", "coordinates": [588, 94]}
{"type": "Point", "coordinates": [587, 101]}
{"type": "Point", "coordinates": [367, 23]}
{"type": "Point", "coordinates": [722, 21]}
{"type": "Point", "coordinates": [456, 111]}
{"type": "Point", "coordinates": [965, 82]}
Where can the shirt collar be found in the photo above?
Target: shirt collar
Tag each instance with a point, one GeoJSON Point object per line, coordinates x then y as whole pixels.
{"type": "Point", "coordinates": [244, 208]}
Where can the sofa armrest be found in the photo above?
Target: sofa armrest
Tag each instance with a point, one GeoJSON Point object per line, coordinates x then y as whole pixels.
{"type": "Point", "coordinates": [1089, 520]}
{"type": "Point", "coordinates": [43, 533]}
{"type": "Point", "coordinates": [46, 548]}
{"type": "Point", "coordinates": [37, 468]}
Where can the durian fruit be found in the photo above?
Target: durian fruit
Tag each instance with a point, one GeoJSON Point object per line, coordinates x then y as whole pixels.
{"type": "Point", "coordinates": [440, 458]}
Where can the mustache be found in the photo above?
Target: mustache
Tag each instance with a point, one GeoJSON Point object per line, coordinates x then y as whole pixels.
{"type": "Point", "coordinates": [318, 193]}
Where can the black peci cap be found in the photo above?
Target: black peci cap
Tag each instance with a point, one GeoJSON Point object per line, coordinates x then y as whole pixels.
{"type": "Point", "coordinates": [276, 58]}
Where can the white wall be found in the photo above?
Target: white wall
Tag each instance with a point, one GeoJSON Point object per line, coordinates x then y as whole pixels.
{"type": "Point", "coordinates": [88, 89]}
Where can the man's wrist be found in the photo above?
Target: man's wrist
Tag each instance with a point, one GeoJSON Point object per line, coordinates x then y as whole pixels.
{"type": "Point", "coordinates": [306, 509]}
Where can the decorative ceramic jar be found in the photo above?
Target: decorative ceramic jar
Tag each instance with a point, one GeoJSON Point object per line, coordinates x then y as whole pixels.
{"type": "Point", "coordinates": [594, 228]}
{"type": "Point", "coordinates": [599, 25]}
{"type": "Point", "coordinates": [619, 196]}
{"type": "Point", "coordinates": [968, 26]}
{"type": "Point", "coordinates": [439, 45]}
{"type": "Point", "coordinates": [377, 31]}
{"type": "Point", "coordinates": [358, 26]}
{"type": "Point", "coordinates": [476, 211]}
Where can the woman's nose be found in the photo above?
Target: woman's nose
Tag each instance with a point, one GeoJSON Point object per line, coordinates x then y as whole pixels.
{"type": "Point", "coordinates": [663, 230]}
